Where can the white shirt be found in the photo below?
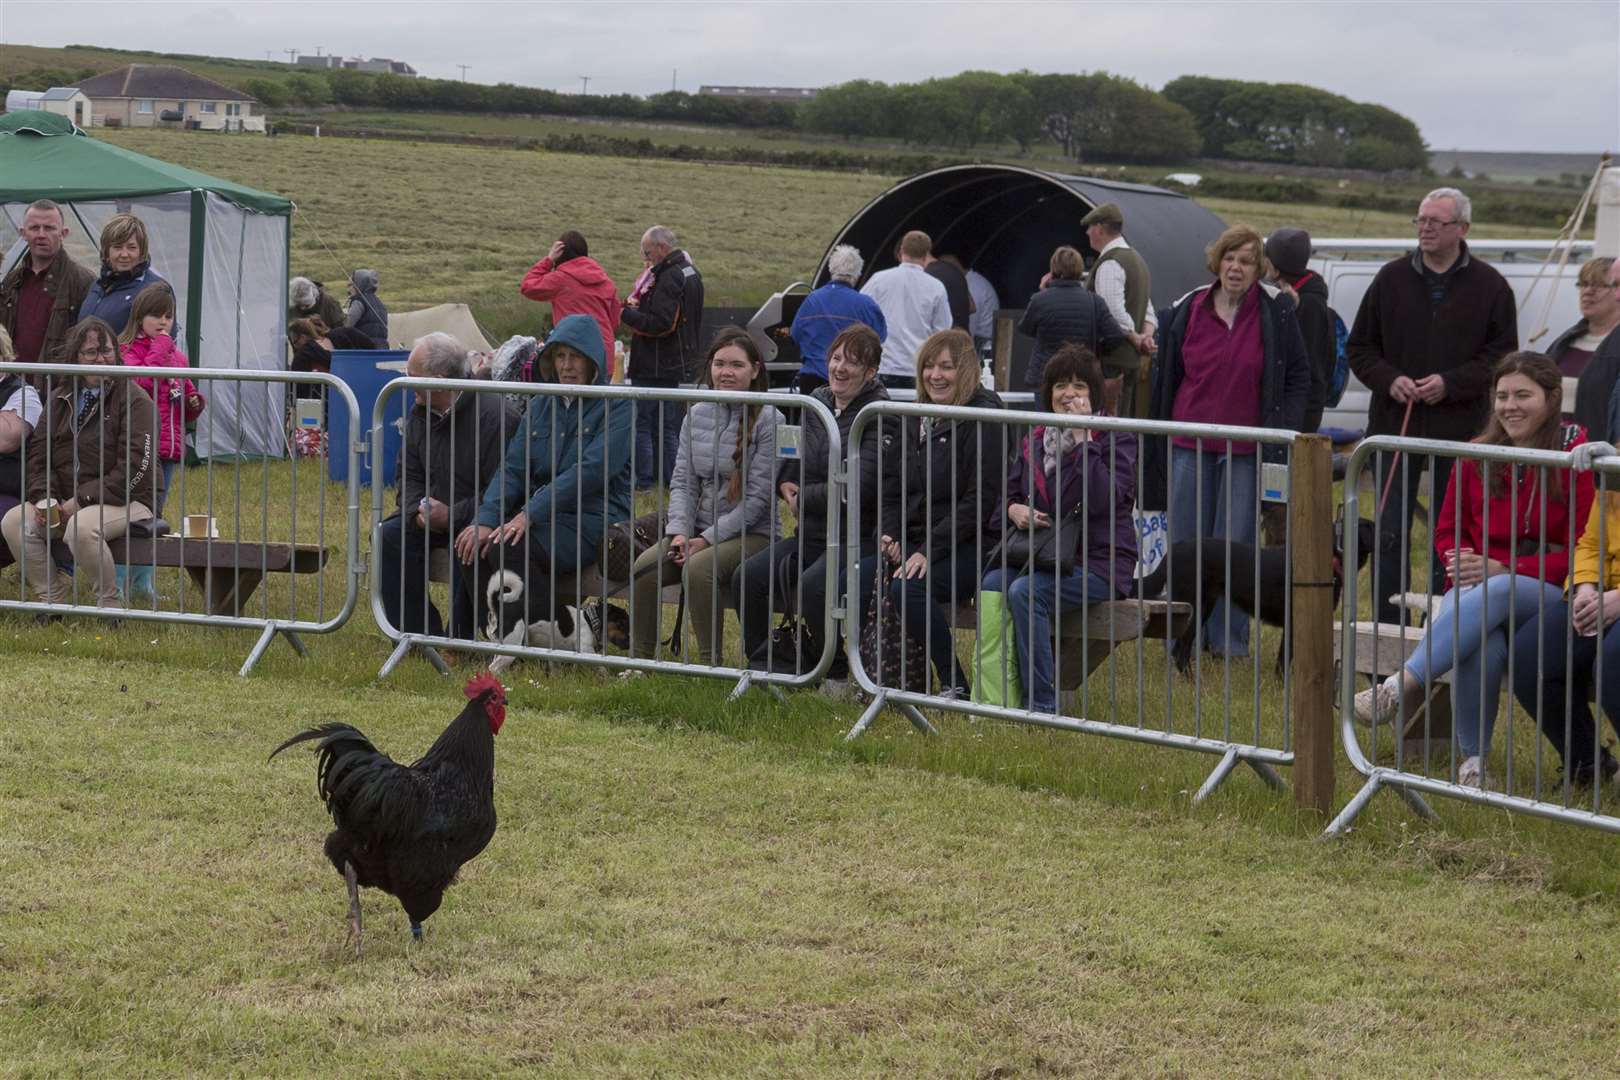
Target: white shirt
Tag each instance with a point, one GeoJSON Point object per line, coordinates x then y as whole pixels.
{"type": "Point", "coordinates": [915, 306]}
{"type": "Point", "coordinates": [1109, 285]}
{"type": "Point", "coordinates": [26, 404]}
{"type": "Point", "coordinates": [982, 323]}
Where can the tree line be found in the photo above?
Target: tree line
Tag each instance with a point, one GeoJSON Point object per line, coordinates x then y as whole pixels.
{"type": "Point", "coordinates": [1089, 117]}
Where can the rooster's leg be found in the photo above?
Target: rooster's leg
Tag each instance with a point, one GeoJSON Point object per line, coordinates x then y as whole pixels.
{"type": "Point", "coordinates": [354, 905]}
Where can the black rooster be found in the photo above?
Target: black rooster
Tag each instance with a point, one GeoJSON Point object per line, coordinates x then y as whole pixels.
{"type": "Point", "coordinates": [403, 829]}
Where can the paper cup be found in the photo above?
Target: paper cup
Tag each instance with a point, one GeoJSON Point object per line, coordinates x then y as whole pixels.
{"type": "Point", "coordinates": [196, 526]}
{"type": "Point", "coordinates": [52, 509]}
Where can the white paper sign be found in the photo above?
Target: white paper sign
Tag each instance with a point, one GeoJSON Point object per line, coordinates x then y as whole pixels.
{"type": "Point", "coordinates": [1152, 539]}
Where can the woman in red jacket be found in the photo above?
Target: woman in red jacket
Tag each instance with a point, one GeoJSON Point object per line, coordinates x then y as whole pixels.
{"type": "Point", "coordinates": [575, 284]}
{"type": "Point", "coordinates": [1505, 534]}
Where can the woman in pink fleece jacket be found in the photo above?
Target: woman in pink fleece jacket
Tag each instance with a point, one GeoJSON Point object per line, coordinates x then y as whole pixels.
{"type": "Point", "coordinates": [575, 284]}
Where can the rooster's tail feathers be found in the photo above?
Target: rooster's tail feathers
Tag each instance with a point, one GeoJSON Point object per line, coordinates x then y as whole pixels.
{"type": "Point", "coordinates": [328, 734]}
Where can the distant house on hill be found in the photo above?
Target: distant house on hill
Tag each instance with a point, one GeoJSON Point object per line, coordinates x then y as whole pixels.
{"type": "Point", "coordinates": [377, 65]}
{"type": "Point", "coordinates": [68, 101]}
{"type": "Point", "coordinates": [155, 95]}
{"type": "Point", "coordinates": [761, 93]}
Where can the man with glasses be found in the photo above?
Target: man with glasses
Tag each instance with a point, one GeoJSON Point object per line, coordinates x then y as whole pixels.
{"type": "Point", "coordinates": [41, 293]}
{"type": "Point", "coordinates": [1430, 328]}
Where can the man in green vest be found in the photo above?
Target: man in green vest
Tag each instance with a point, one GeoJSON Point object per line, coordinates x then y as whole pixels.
{"type": "Point", "coordinates": [1120, 278]}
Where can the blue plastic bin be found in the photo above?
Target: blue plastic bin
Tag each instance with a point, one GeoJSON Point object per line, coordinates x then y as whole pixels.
{"type": "Point", "coordinates": [358, 368]}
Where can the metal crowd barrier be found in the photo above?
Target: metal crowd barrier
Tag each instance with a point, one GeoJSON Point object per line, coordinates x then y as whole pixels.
{"type": "Point", "coordinates": [1462, 653]}
{"type": "Point", "coordinates": [225, 528]}
{"type": "Point", "coordinates": [1087, 656]}
{"type": "Point", "coordinates": [584, 582]}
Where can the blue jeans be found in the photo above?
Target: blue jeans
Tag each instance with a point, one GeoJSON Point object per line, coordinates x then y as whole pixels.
{"type": "Point", "coordinates": [1565, 673]}
{"type": "Point", "coordinates": [1032, 600]}
{"type": "Point", "coordinates": [1478, 631]}
{"type": "Point", "coordinates": [402, 547]}
{"type": "Point", "coordinates": [1199, 507]}
{"type": "Point", "coordinates": [658, 435]}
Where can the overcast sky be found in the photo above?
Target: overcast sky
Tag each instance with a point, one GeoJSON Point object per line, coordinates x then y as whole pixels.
{"type": "Point", "coordinates": [1476, 75]}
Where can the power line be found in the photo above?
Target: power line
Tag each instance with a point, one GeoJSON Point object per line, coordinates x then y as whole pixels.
{"type": "Point", "coordinates": [463, 68]}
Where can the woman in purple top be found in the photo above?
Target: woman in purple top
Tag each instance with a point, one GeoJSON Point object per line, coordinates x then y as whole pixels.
{"type": "Point", "coordinates": [1056, 470]}
{"type": "Point", "coordinates": [1233, 354]}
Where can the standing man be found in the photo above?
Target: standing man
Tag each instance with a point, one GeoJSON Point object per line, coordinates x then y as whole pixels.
{"type": "Point", "coordinates": [454, 442]}
{"type": "Point", "coordinates": [41, 295]}
{"type": "Point", "coordinates": [986, 302]}
{"type": "Point", "coordinates": [914, 307]}
{"type": "Point", "coordinates": [1121, 280]}
{"type": "Point", "coordinates": [948, 272]}
{"type": "Point", "coordinates": [827, 312]}
{"type": "Point", "coordinates": [665, 318]}
{"type": "Point", "coordinates": [1430, 328]}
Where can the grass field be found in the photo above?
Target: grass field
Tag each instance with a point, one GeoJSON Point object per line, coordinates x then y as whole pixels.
{"type": "Point", "coordinates": [684, 886]}
{"type": "Point", "coordinates": [453, 223]}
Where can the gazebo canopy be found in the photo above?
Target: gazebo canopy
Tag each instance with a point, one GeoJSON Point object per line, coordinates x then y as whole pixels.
{"type": "Point", "coordinates": [222, 245]}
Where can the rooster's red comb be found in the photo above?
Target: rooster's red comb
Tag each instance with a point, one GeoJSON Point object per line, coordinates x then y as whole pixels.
{"type": "Point", "coordinates": [483, 683]}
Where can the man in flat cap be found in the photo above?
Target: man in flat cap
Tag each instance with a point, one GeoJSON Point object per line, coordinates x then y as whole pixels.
{"type": "Point", "coordinates": [1121, 279]}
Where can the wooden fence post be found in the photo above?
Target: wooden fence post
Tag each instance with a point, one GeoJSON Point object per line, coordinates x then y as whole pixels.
{"type": "Point", "coordinates": [1311, 703]}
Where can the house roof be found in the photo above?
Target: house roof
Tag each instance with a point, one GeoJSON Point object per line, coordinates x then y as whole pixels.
{"type": "Point", "coordinates": [158, 81]}
{"type": "Point", "coordinates": [61, 93]}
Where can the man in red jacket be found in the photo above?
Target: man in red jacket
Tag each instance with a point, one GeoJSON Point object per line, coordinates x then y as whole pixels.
{"type": "Point", "coordinates": [575, 284]}
{"type": "Point", "coordinates": [1430, 329]}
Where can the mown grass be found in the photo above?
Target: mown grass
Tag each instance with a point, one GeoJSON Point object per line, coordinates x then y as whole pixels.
{"type": "Point", "coordinates": [690, 887]}
{"type": "Point", "coordinates": [462, 224]}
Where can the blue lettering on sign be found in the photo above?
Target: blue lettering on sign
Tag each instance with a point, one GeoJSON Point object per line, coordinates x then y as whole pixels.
{"type": "Point", "coordinates": [1152, 539]}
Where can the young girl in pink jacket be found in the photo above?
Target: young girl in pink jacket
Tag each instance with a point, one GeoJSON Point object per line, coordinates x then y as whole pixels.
{"type": "Point", "coordinates": [145, 342]}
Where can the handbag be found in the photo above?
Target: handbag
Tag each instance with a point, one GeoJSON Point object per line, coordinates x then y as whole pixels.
{"type": "Point", "coordinates": [892, 657]}
{"type": "Point", "coordinates": [1050, 548]}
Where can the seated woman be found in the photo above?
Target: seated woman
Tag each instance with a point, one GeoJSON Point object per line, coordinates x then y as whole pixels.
{"type": "Point", "coordinates": [103, 470]}
{"type": "Point", "coordinates": [719, 500]}
{"type": "Point", "coordinates": [1057, 470]}
{"type": "Point", "coordinates": [1584, 351]}
{"type": "Point", "coordinates": [949, 482]}
{"type": "Point", "coordinates": [566, 475]}
{"type": "Point", "coordinates": [20, 410]}
{"type": "Point", "coordinates": [1506, 546]}
{"type": "Point", "coordinates": [312, 343]}
{"type": "Point", "coordinates": [804, 485]}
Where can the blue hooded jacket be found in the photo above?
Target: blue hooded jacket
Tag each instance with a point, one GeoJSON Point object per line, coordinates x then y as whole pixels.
{"type": "Point", "coordinates": [565, 455]}
{"type": "Point", "coordinates": [112, 295]}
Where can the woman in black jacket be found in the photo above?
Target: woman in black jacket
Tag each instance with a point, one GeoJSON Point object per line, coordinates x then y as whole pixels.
{"type": "Point", "coordinates": [951, 478]}
{"type": "Point", "coordinates": [1064, 311]}
{"type": "Point", "coordinates": [1232, 354]}
{"type": "Point", "coordinates": [797, 564]}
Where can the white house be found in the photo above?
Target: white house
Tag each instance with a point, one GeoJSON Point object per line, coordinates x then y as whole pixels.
{"type": "Point", "coordinates": [156, 95]}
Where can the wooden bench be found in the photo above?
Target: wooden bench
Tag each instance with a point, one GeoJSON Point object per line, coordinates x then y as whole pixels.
{"type": "Point", "coordinates": [1383, 648]}
{"type": "Point", "coordinates": [1088, 637]}
{"type": "Point", "coordinates": [226, 571]}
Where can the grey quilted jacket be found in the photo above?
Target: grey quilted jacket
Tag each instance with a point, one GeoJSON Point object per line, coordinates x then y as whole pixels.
{"type": "Point", "coordinates": [697, 492]}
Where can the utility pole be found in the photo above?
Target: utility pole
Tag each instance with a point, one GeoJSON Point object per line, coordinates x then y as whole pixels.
{"type": "Point", "coordinates": [318, 49]}
{"type": "Point", "coordinates": [292, 55]}
{"type": "Point", "coordinates": [463, 68]}
{"type": "Point", "coordinates": [672, 73]}
{"type": "Point", "coordinates": [584, 84]}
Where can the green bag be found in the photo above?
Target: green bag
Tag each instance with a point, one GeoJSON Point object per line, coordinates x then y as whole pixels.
{"type": "Point", "coordinates": [995, 656]}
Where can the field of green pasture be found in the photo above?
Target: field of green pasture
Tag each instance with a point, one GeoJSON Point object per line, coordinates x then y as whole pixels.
{"type": "Point", "coordinates": [455, 223]}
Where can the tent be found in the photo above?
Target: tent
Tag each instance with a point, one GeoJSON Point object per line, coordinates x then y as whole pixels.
{"type": "Point", "coordinates": [223, 246]}
{"type": "Point", "coordinates": [404, 327]}
{"type": "Point", "coordinates": [1005, 220]}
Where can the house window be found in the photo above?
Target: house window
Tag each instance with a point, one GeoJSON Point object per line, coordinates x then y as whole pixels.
{"type": "Point", "coordinates": [208, 106]}
{"type": "Point", "coordinates": [145, 106]}
{"type": "Point", "coordinates": [233, 109]}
